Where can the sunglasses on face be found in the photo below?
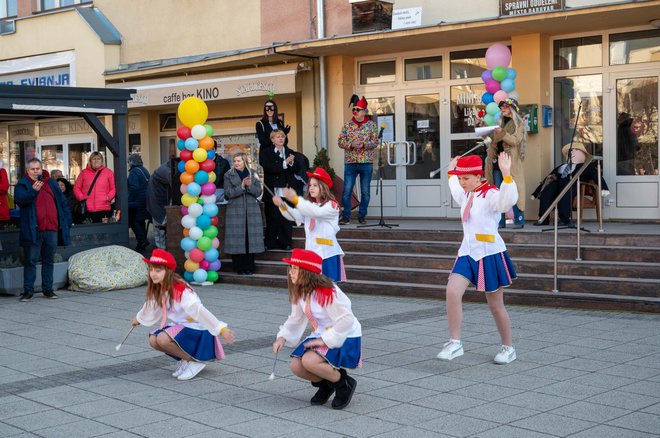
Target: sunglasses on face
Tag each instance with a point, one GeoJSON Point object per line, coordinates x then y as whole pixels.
{"type": "Point", "coordinates": [357, 110]}
{"type": "Point", "coordinates": [269, 108]}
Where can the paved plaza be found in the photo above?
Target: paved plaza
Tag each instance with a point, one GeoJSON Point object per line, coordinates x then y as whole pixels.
{"type": "Point", "coordinates": [579, 373]}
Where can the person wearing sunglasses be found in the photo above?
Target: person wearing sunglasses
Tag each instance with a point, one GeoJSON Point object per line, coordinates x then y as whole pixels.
{"type": "Point", "coordinates": [268, 122]}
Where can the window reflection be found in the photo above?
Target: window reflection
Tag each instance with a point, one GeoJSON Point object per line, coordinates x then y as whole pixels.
{"type": "Point", "coordinates": [578, 52]}
{"type": "Point", "coordinates": [635, 47]}
{"type": "Point", "coordinates": [423, 128]}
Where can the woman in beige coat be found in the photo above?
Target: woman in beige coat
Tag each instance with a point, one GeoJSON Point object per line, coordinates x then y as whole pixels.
{"type": "Point", "coordinates": [509, 137]}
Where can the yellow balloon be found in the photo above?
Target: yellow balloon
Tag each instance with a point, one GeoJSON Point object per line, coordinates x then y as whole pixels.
{"type": "Point", "coordinates": [199, 155]}
{"type": "Point", "coordinates": [193, 111]}
{"type": "Point", "coordinates": [188, 200]}
{"type": "Point", "coordinates": [190, 266]}
{"type": "Point", "coordinates": [211, 176]}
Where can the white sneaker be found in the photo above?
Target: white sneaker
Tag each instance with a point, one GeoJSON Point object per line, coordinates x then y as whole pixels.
{"type": "Point", "coordinates": [506, 355]}
{"type": "Point", "coordinates": [191, 370]}
{"type": "Point", "coordinates": [181, 365]}
{"type": "Point", "coordinates": [451, 350]}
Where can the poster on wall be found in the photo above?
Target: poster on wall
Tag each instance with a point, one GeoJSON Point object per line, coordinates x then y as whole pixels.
{"type": "Point", "coordinates": [526, 7]}
{"type": "Point", "coordinates": [388, 130]}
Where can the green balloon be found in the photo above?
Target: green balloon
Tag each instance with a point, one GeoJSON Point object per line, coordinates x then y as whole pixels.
{"type": "Point", "coordinates": [211, 232]}
{"type": "Point", "coordinates": [499, 73]}
{"type": "Point", "coordinates": [209, 130]}
{"type": "Point", "coordinates": [212, 276]}
{"type": "Point", "coordinates": [492, 108]}
{"type": "Point", "coordinates": [204, 243]}
{"type": "Point", "coordinates": [489, 119]}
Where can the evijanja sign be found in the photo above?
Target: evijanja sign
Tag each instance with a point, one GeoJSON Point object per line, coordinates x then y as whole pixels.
{"type": "Point", "coordinates": [525, 7]}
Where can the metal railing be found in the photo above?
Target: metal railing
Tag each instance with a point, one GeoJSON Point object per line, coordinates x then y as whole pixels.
{"type": "Point", "coordinates": [574, 180]}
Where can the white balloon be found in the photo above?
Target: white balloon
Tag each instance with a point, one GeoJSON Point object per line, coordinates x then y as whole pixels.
{"type": "Point", "coordinates": [514, 95]}
{"type": "Point", "coordinates": [198, 132]}
{"type": "Point", "coordinates": [207, 199]}
{"type": "Point", "coordinates": [195, 233]}
{"type": "Point", "coordinates": [187, 254]}
{"type": "Point", "coordinates": [188, 221]}
{"type": "Point", "coordinates": [195, 210]}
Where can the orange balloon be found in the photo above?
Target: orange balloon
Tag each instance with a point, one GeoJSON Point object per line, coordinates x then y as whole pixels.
{"type": "Point", "coordinates": [186, 232]}
{"type": "Point", "coordinates": [192, 166]}
{"type": "Point", "coordinates": [206, 143]}
{"type": "Point", "coordinates": [186, 178]}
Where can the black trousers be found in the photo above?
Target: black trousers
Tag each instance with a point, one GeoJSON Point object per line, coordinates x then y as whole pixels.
{"type": "Point", "coordinates": [139, 227]}
{"type": "Point", "coordinates": [243, 263]}
{"type": "Point", "coordinates": [279, 231]}
{"type": "Point", "coordinates": [565, 205]}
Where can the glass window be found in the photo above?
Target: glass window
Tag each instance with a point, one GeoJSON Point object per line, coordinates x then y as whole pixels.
{"type": "Point", "coordinates": [569, 92]}
{"type": "Point", "coordinates": [167, 148]}
{"type": "Point", "coordinates": [467, 64]}
{"type": "Point", "coordinates": [423, 129]}
{"type": "Point", "coordinates": [52, 4]}
{"type": "Point", "coordinates": [8, 8]}
{"type": "Point", "coordinates": [465, 104]}
{"type": "Point", "coordinates": [578, 52]}
{"type": "Point", "coordinates": [382, 112]}
{"type": "Point", "coordinates": [167, 122]}
{"type": "Point", "coordinates": [634, 47]}
{"type": "Point", "coordinates": [423, 68]}
{"type": "Point", "coordinates": [377, 72]}
{"type": "Point", "coordinates": [52, 157]}
{"type": "Point", "coordinates": [637, 126]}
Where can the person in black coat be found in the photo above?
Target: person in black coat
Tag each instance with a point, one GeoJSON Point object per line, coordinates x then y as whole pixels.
{"type": "Point", "coordinates": [221, 167]}
{"type": "Point", "coordinates": [268, 122]}
{"type": "Point", "coordinates": [302, 164]}
{"type": "Point", "coordinates": [67, 190]}
{"type": "Point", "coordinates": [555, 182]}
{"type": "Point", "coordinates": [280, 167]}
{"type": "Point", "coordinates": [160, 194]}
{"type": "Point", "coordinates": [138, 181]}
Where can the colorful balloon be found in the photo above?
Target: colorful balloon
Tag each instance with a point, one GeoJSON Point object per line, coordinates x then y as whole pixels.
{"type": "Point", "coordinates": [215, 243]}
{"type": "Point", "coordinates": [188, 221]}
{"type": "Point", "coordinates": [210, 154]}
{"type": "Point", "coordinates": [196, 233]}
{"type": "Point", "coordinates": [489, 120]}
{"type": "Point", "coordinates": [192, 166]}
{"type": "Point", "coordinates": [487, 98]}
{"type": "Point", "coordinates": [486, 75]}
{"type": "Point", "coordinates": [199, 276]}
{"type": "Point", "coordinates": [199, 155]}
{"type": "Point", "coordinates": [193, 111]}
{"type": "Point", "coordinates": [204, 265]}
{"type": "Point", "coordinates": [201, 177]}
{"type": "Point", "coordinates": [194, 189]}
{"type": "Point", "coordinates": [498, 55]}
{"type": "Point", "coordinates": [204, 244]}
{"type": "Point", "coordinates": [185, 155]}
{"type": "Point", "coordinates": [499, 73]}
{"type": "Point", "coordinates": [184, 210]}
{"type": "Point", "coordinates": [211, 232]}
{"type": "Point", "coordinates": [212, 276]}
{"type": "Point", "coordinates": [208, 199]}
{"type": "Point", "coordinates": [195, 210]}
{"type": "Point", "coordinates": [514, 95]}
{"type": "Point", "coordinates": [211, 255]}
{"type": "Point", "coordinates": [187, 244]}
{"type": "Point", "coordinates": [190, 266]}
{"type": "Point", "coordinates": [499, 96]}
{"type": "Point", "coordinates": [215, 221]}
{"type": "Point", "coordinates": [203, 222]}
{"type": "Point", "coordinates": [183, 132]}
{"type": "Point", "coordinates": [492, 86]}
{"type": "Point", "coordinates": [181, 167]}
{"type": "Point", "coordinates": [212, 177]}
{"type": "Point", "coordinates": [492, 108]}
{"type": "Point", "coordinates": [206, 143]}
{"type": "Point", "coordinates": [210, 210]}
{"type": "Point", "coordinates": [186, 178]}
{"type": "Point", "coordinates": [180, 144]}
{"type": "Point", "coordinates": [191, 144]}
{"type": "Point", "coordinates": [508, 85]}
{"type": "Point", "coordinates": [511, 73]}
{"type": "Point", "coordinates": [198, 132]}
{"type": "Point", "coordinates": [208, 189]}
{"type": "Point", "coordinates": [207, 166]}
{"type": "Point", "coordinates": [183, 188]}
{"type": "Point", "coordinates": [187, 200]}
{"type": "Point", "coordinates": [215, 265]}
{"type": "Point", "coordinates": [209, 130]}
{"type": "Point", "coordinates": [188, 276]}
{"type": "Point", "coordinates": [196, 255]}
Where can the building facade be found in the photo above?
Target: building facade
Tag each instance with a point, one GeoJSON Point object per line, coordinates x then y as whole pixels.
{"type": "Point", "coordinates": [422, 78]}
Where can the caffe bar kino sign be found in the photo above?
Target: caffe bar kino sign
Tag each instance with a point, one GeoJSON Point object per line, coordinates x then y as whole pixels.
{"type": "Point", "coordinates": [525, 7]}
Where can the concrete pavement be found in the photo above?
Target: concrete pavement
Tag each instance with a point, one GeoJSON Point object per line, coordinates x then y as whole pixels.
{"type": "Point", "coordinates": [579, 373]}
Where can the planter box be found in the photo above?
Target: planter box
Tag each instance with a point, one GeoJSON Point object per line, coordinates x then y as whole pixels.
{"type": "Point", "coordinates": [11, 279]}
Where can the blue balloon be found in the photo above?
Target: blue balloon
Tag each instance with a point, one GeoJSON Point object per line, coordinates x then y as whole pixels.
{"type": "Point", "coordinates": [210, 210]}
{"type": "Point", "coordinates": [188, 244]}
{"type": "Point", "coordinates": [201, 177]}
{"type": "Point", "coordinates": [210, 154]}
{"type": "Point", "coordinates": [181, 166]}
{"type": "Point", "coordinates": [487, 98]}
{"type": "Point", "coordinates": [180, 144]}
{"type": "Point", "coordinates": [191, 144]}
{"type": "Point", "coordinates": [508, 85]}
{"type": "Point", "coordinates": [188, 276]}
{"type": "Point", "coordinates": [203, 221]}
{"type": "Point", "coordinates": [511, 73]}
{"type": "Point", "coordinates": [211, 255]}
{"type": "Point", "coordinates": [194, 189]}
{"type": "Point", "coordinates": [199, 275]}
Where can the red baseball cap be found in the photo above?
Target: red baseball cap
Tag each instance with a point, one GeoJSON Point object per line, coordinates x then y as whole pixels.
{"type": "Point", "coordinates": [320, 174]}
{"type": "Point", "coordinates": [468, 165]}
{"type": "Point", "coordinates": [305, 259]}
{"type": "Point", "coordinates": [161, 257]}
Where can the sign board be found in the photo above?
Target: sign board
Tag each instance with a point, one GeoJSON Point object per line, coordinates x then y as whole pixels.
{"type": "Point", "coordinates": [525, 7]}
{"type": "Point", "coordinates": [59, 77]}
{"type": "Point", "coordinates": [404, 18]}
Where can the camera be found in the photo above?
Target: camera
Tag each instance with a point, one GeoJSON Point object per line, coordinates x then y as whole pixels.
{"type": "Point", "coordinates": [40, 178]}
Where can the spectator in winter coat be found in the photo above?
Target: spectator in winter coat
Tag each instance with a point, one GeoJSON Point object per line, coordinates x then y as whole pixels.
{"type": "Point", "coordinates": [138, 180]}
{"type": "Point", "coordinates": [159, 196]}
{"type": "Point", "coordinates": [98, 195]}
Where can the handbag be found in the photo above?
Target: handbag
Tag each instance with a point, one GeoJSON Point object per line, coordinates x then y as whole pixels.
{"type": "Point", "coordinates": [81, 206]}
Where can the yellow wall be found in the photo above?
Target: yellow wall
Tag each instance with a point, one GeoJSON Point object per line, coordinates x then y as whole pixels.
{"type": "Point", "coordinates": [43, 34]}
{"type": "Point", "coordinates": [340, 79]}
{"type": "Point", "coordinates": [158, 29]}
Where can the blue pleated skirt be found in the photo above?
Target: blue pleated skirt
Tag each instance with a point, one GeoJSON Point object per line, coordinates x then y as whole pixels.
{"type": "Point", "coordinates": [348, 356]}
{"type": "Point", "coordinates": [488, 274]}
{"type": "Point", "coordinates": [199, 344]}
{"type": "Point", "coordinates": [333, 268]}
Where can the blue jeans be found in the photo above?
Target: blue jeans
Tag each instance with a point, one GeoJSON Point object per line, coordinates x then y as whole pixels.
{"type": "Point", "coordinates": [44, 249]}
{"type": "Point", "coordinates": [518, 214]}
{"type": "Point", "coordinates": [351, 171]}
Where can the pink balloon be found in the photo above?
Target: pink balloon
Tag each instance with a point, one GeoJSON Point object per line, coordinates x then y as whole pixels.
{"type": "Point", "coordinates": [204, 264]}
{"type": "Point", "coordinates": [196, 255]}
{"type": "Point", "coordinates": [500, 96]}
{"type": "Point", "coordinates": [492, 86]}
{"type": "Point", "coordinates": [498, 55]}
{"type": "Point", "coordinates": [215, 243]}
{"type": "Point", "coordinates": [184, 210]}
{"type": "Point", "coordinates": [208, 189]}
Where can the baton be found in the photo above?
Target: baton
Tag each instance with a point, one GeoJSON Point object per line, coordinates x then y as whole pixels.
{"type": "Point", "coordinates": [437, 171]}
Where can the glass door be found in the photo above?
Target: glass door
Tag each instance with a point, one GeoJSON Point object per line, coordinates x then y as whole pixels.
{"type": "Point", "coordinates": [67, 155]}
{"type": "Point", "coordinates": [383, 112]}
{"type": "Point", "coordinates": [632, 157]}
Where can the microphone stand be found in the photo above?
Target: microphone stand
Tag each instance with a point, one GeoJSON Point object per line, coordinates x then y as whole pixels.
{"type": "Point", "coordinates": [379, 185]}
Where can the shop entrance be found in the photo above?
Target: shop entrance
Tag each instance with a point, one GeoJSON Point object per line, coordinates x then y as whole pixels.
{"type": "Point", "coordinates": [70, 155]}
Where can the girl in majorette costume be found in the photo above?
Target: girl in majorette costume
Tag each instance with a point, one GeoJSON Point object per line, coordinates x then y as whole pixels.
{"type": "Point", "coordinates": [335, 342]}
{"type": "Point", "coordinates": [192, 336]}
{"type": "Point", "coordinates": [482, 258]}
{"type": "Point", "coordinates": [320, 213]}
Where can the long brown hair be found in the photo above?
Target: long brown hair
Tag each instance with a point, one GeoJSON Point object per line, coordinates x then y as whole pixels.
{"type": "Point", "coordinates": [325, 194]}
{"type": "Point", "coordinates": [156, 292]}
{"type": "Point", "coordinates": [307, 282]}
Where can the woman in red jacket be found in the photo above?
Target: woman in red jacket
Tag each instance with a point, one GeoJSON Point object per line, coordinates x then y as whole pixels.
{"type": "Point", "coordinates": [99, 198]}
{"type": "Point", "coordinates": [4, 190]}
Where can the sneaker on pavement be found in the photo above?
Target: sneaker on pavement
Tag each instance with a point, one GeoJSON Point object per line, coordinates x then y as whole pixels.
{"type": "Point", "coordinates": [344, 221]}
{"type": "Point", "coordinates": [506, 355]}
{"type": "Point", "coordinates": [24, 298]}
{"type": "Point", "coordinates": [180, 367]}
{"type": "Point", "coordinates": [362, 220]}
{"type": "Point", "coordinates": [51, 295]}
{"type": "Point", "coordinates": [191, 370]}
{"type": "Point", "coordinates": [451, 350]}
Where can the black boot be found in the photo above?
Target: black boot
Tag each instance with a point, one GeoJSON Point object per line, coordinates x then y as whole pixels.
{"type": "Point", "coordinates": [323, 394]}
{"type": "Point", "coordinates": [344, 390]}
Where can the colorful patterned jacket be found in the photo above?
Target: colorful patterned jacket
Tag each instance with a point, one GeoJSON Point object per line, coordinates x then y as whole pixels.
{"type": "Point", "coordinates": [358, 140]}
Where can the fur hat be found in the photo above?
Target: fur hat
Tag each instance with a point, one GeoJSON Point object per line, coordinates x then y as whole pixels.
{"type": "Point", "coordinates": [305, 259]}
{"type": "Point", "coordinates": [161, 257]}
{"type": "Point", "coordinates": [468, 165]}
{"type": "Point", "coordinates": [320, 174]}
